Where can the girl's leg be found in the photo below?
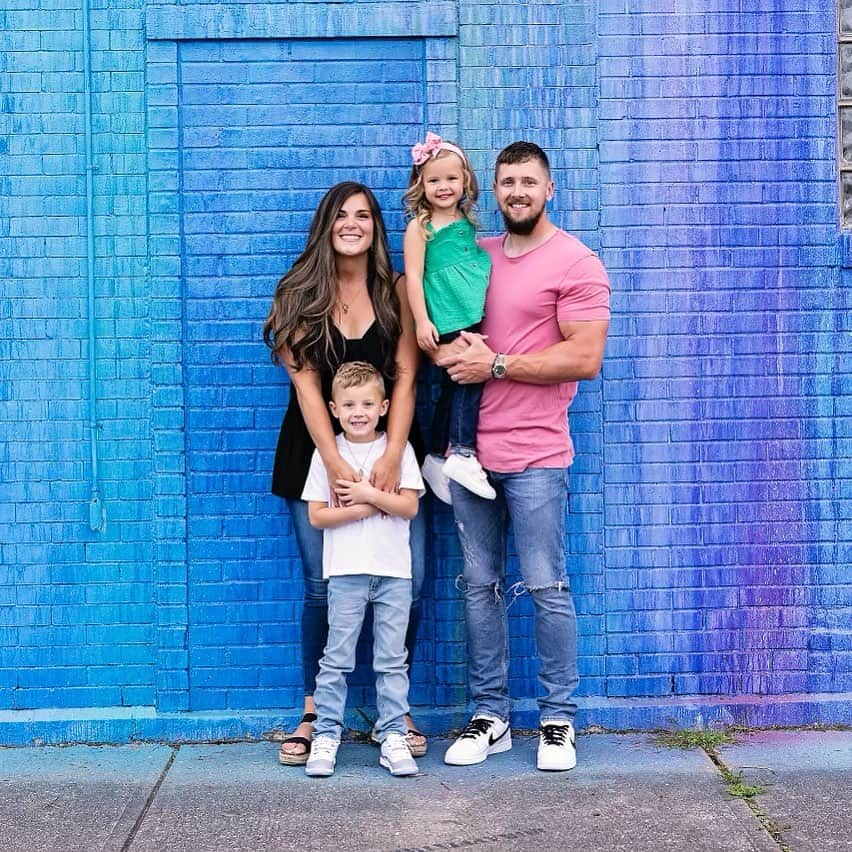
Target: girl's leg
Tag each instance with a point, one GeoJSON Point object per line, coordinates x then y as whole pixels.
{"type": "Point", "coordinates": [464, 418]}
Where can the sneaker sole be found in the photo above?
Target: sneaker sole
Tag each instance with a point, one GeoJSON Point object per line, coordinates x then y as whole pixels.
{"type": "Point", "coordinates": [490, 494]}
{"type": "Point", "coordinates": [399, 773]}
{"type": "Point", "coordinates": [504, 744]}
{"type": "Point", "coordinates": [319, 773]}
{"type": "Point", "coordinates": [555, 768]}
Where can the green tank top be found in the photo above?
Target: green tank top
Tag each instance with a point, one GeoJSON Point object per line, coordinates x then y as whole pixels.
{"type": "Point", "coordinates": [455, 276]}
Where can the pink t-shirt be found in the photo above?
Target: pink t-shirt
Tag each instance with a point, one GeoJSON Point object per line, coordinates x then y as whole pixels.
{"type": "Point", "coordinates": [523, 425]}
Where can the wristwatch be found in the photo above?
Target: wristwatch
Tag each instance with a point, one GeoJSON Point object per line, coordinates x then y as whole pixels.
{"type": "Point", "coordinates": [498, 368]}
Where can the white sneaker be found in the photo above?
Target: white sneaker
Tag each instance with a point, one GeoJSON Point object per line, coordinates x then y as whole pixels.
{"type": "Point", "coordinates": [435, 479]}
{"type": "Point", "coordinates": [396, 756]}
{"type": "Point", "coordinates": [468, 472]}
{"type": "Point", "coordinates": [323, 756]}
{"type": "Point", "coordinates": [556, 751]}
{"type": "Point", "coordinates": [483, 735]}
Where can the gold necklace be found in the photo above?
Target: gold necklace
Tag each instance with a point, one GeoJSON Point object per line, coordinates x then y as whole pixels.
{"type": "Point", "coordinates": [344, 306]}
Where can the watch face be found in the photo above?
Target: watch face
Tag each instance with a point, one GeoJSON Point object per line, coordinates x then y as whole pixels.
{"type": "Point", "coordinates": [498, 370]}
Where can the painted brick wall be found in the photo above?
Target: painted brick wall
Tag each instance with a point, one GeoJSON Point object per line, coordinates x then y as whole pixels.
{"type": "Point", "coordinates": [727, 563]}
{"type": "Point", "coordinates": [76, 607]}
{"type": "Point", "coordinates": [529, 72]}
{"type": "Point", "coordinates": [709, 540]}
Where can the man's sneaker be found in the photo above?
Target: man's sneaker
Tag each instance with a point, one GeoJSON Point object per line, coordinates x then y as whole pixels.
{"type": "Point", "coordinates": [435, 479]}
{"type": "Point", "coordinates": [396, 756]}
{"type": "Point", "coordinates": [468, 472]}
{"type": "Point", "coordinates": [556, 750]}
{"type": "Point", "coordinates": [323, 756]}
{"type": "Point", "coordinates": [483, 735]}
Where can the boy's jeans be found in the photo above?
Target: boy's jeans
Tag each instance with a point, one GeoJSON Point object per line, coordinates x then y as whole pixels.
{"type": "Point", "coordinates": [348, 597]}
{"type": "Point", "coordinates": [315, 607]}
{"type": "Point", "coordinates": [534, 500]}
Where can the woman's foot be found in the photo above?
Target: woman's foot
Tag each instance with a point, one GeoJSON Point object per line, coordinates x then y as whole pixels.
{"type": "Point", "coordinates": [416, 741]}
{"type": "Point", "coordinates": [296, 749]}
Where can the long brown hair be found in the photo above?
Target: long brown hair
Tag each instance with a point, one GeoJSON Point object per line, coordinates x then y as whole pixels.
{"type": "Point", "coordinates": [302, 311]}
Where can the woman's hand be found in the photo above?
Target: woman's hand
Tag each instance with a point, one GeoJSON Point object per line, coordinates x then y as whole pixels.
{"type": "Point", "coordinates": [339, 469]}
{"type": "Point", "coordinates": [427, 335]}
{"type": "Point", "coordinates": [386, 472]}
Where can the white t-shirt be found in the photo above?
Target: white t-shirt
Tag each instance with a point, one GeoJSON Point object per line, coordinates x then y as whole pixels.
{"type": "Point", "coordinates": [377, 545]}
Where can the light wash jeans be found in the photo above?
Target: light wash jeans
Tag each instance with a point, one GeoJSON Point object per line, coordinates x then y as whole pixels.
{"type": "Point", "coordinates": [347, 602]}
{"type": "Point", "coordinates": [315, 607]}
{"type": "Point", "coordinates": [534, 501]}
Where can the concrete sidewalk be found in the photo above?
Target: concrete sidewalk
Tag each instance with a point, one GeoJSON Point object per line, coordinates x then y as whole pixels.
{"type": "Point", "coordinates": [627, 793]}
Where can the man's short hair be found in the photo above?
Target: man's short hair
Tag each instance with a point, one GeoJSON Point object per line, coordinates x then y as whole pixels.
{"type": "Point", "coordinates": [354, 374]}
{"type": "Point", "coordinates": [522, 152]}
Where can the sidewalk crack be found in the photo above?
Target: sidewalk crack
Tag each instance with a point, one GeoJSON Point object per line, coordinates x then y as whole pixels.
{"type": "Point", "coordinates": [738, 789]}
{"type": "Point", "coordinates": [149, 801]}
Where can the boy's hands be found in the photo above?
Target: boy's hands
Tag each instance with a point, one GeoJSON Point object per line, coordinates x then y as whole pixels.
{"type": "Point", "coordinates": [352, 492]}
{"type": "Point", "coordinates": [362, 510]}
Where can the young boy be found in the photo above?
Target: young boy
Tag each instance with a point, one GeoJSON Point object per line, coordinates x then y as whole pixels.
{"type": "Point", "coordinates": [366, 559]}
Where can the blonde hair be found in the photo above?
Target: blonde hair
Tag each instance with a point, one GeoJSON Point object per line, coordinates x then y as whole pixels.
{"type": "Point", "coordinates": [416, 205]}
{"type": "Point", "coordinates": [354, 374]}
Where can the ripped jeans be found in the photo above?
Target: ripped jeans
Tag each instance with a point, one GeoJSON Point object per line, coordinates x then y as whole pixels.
{"type": "Point", "coordinates": [534, 501]}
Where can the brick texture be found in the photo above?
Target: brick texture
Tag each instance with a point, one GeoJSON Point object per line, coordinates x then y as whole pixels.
{"type": "Point", "coordinates": [692, 144]}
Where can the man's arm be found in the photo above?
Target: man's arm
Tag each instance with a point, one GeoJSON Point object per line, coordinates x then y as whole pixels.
{"type": "Point", "coordinates": [577, 356]}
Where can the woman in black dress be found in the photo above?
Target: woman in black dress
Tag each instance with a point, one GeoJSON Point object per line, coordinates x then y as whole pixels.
{"type": "Point", "coordinates": [340, 301]}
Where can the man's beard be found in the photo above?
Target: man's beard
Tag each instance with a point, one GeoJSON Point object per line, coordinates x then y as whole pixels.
{"type": "Point", "coordinates": [522, 227]}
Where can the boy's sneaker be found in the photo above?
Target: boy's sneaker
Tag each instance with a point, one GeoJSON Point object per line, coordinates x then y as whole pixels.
{"type": "Point", "coordinates": [396, 756]}
{"type": "Point", "coordinates": [468, 472]}
{"type": "Point", "coordinates": [556, 751]}
{"type": "Point", "coordinates": [483, 735]}
{"type": "Point", "coordinates": [323, 756]}
{"type": "Point", "coordinates": [435, 479]}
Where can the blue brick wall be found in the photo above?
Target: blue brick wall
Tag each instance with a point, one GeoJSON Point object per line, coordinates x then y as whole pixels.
{"type": "Point", "coordinates": [723, 467]}
{"type": "Point", "coordinates": [76, 607]}
{"type": "Point", "coordinates": [692, 145]}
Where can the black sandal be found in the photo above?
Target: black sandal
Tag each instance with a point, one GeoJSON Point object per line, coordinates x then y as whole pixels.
{"type": "Point", "coordinates": [287, 758]}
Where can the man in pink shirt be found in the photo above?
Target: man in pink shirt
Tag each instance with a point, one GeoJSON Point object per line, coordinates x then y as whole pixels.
{"type": "Point", "coordinates": [545, 327]}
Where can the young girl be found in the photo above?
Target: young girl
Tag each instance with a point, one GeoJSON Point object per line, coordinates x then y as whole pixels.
{"type": "Point", "coordinates": [447, 275]}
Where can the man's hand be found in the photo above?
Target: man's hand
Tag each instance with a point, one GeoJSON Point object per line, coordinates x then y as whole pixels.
{"type": "Point", "coordinates": [471, 365]}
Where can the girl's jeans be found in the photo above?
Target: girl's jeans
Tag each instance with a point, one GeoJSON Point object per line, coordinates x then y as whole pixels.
{"type": "Point", "coordinates": [456, 414]}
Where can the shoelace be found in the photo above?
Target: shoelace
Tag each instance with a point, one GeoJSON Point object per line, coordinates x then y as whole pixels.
{"type": "Point", "coordinates": [323, 747]}
{"type": "Point", "coordinates": [475, 728]}
{"type": "Point", "coordinates": [397, 747]}
{"type": "Point", "coordinates": [554, 734]}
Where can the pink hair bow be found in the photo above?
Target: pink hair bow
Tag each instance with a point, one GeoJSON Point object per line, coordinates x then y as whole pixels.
{"type": "Point", "coordinates": [422, 151]}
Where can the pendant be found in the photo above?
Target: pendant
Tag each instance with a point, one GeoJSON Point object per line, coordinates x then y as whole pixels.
{"type": "Point", "coordinates": [344, 307]}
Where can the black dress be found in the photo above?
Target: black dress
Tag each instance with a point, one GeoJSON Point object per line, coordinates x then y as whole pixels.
{"type": "Point", "coordinates": [295, 445]}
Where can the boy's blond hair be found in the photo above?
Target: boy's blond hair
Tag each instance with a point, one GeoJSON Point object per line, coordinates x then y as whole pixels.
{"type": "Point", "coordinates": [354, 374]}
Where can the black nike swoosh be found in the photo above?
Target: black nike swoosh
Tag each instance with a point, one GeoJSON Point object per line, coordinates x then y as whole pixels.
{"type": "Point", "coordinates": [491, 739]}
